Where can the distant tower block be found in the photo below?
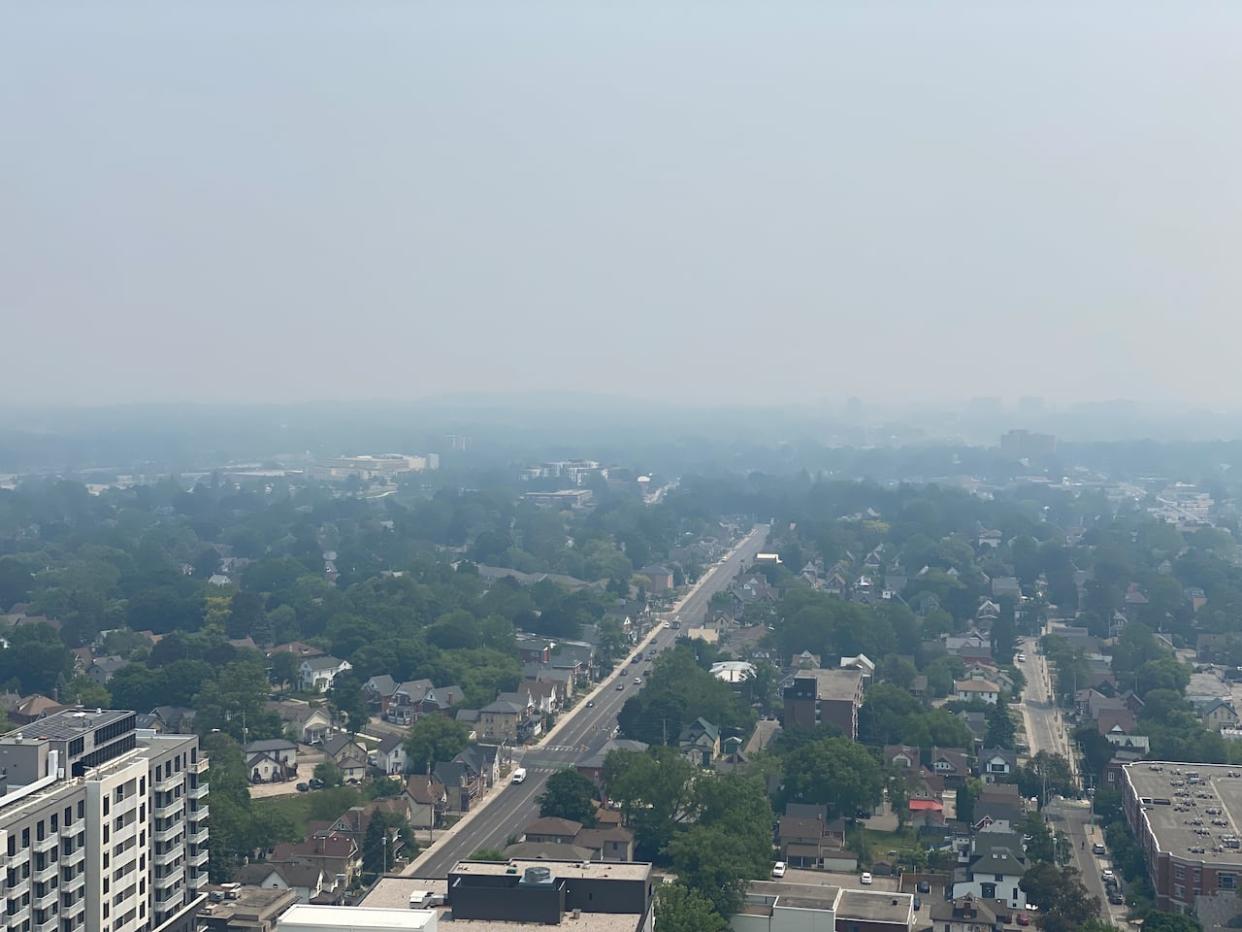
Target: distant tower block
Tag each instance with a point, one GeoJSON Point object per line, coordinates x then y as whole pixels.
{"type": "Point", "coordinates": [458, 442]}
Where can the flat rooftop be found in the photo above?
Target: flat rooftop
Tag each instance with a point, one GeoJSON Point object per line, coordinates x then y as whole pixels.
{"type": "Point", "coordinates": [586, 922]}
{"type": "Point", "coordinates": [764, 896]}
{"type": "Point", "coordinates": [600, 870]}
{"type": "Point", "coordinates": [874, 906]}
{"type": "Point", "coordinates": [61, 726]}
{"type": "Point", "coordinates": [355, 917]}
{"type": "Point", "coordinates": [393, 891]}
{"type": "Point", "coordinates": [834, 684]}
{"type": "Point", "coordinates": [1194, 811]}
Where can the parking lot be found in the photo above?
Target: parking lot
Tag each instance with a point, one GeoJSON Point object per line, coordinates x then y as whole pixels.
{"type": "Point", "coordinates": [829, 879]}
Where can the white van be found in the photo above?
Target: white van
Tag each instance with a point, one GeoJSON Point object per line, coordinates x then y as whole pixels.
{"type": "Point", "coordinates": [519, 775]}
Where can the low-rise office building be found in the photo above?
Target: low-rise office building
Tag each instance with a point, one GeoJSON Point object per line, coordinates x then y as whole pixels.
{"type": "Point", "coordinates": [598, 896]}
{"type": "Point", "coordinates": [776, 906]}
{"type": "Point", "coordinates": [830, 697]}
{"type": "Point", "coordinates": [1184, 817]}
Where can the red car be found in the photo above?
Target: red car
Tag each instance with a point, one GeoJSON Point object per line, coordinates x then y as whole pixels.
{"type": "Point", "coordinates": [1024, 919]}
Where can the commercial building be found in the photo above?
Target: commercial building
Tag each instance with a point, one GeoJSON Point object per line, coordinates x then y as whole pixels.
{"type": "Point", "coordinates": [104, 826]}
{"type": "Point", "coordinates": [1185, 818]}
{"type": "Point", "coordinates": [307, 918]}
{"type": "Point", "coordinates": [599, 896]}
{"type": "Point", "coordinates": [772, 906]}
{"type": "Point", "coordinates": [565, 498]}
{"type": "Point", "coordinates": [830, 697]}
{"type": "Point", "coordinates": [244, 908]}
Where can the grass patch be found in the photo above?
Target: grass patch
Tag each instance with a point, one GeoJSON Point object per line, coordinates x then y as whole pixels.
{"type": "Point", "coordinates": [291, 813]}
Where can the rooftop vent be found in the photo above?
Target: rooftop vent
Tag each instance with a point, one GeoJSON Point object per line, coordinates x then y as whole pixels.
{"type": "Point", "coordinates": [537, 875]}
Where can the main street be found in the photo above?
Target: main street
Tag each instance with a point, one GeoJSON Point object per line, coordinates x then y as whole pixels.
{"type": "Point", "coordinates": [580, 734]}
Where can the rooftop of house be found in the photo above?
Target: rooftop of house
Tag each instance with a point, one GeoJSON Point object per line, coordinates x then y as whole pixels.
{"type": "Point", "coordinates": [356, 918]}
{"type": "Point", "coordinates": [551, 825]}
{"type": "Point", "coordinates": [875, 906]}
{"type": "Point", "coordinates": [1167, 791]}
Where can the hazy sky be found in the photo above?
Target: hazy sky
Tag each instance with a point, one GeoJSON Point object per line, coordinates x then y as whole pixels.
{"type": "Point", "coordinates": [727, 201]}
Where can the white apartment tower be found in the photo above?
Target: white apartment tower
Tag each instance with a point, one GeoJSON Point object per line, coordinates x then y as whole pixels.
{"type": "Point", "coordinates": [103, 826]}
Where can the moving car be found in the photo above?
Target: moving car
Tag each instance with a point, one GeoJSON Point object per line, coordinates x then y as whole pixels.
{"type": "Point", "coordinates": [590, 703]}
{"type": "Point", "coordinates": [865, 879]}
{"type": "Point", "coordinates": [620, 685]}
{"type": "Point", "coordinates": [519, 775]}
{"type": "Point", "coordinates": [1021, 658]}
{"type": "Point", "coordinates": [778, 869]}
{"type": "Point", "coordinates": [637, 680]}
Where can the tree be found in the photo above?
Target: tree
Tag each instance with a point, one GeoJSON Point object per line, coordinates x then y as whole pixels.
{"type": "Point", "coordinates": [680, 909]}
{"type": "Point", "coordinates": [655, 792]}
{"type": "Point", "coordinates": [1000, 727]}
{"type": "Point", "coordinates": [330, 774]}
{"type": "Point", "coordinates": [379, 841]}
{"type": "Point", "coordinates": [1049, 772]}
{"type": "Point", "coordinates": [835, 772]}
{"type": "Point", "coordinates": [966, 795]}
{"type": "Point", "coordinates": [1157, 921]}
{"type": "Point", "coordinates": [567, 794]}
{"type": "Point", "coordinates": [1064, 903]}
{"type": "Point", "coordinates": [488, 854]}
{"type": "Point", "coordinates": [435, 738]}
{"type": "Point", "coordinates": [346, 699]}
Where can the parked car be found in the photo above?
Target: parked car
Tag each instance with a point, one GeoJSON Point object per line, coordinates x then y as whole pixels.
{"type": "Point", "coordinates": [315, 783]}
{"type": "Point", "coordinates": [918, 904]}
{"type": "Point", "coordinates": [1021, 658]}
{"type": "Point", "coordinates": [1024, 918]}
{"type": "Point", "coordinates": [1098, 848]}
{"type": "Point", "coordinates": [922, 887]}
{"type": "Point", "coordinates": [1116, 898]}
{"type": "Point", "coordinates": [302, 787]}
{"type": "Point", "coordinates": [778, 869]}
{"type": "Point", "coordinates": [865, 879]}
{"type": "Point", "coordinates": [1106, 875]}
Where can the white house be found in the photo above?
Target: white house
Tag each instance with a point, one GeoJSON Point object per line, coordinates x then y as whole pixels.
{"type": "Point", "coordinates": [390, 756]}
{"type": "Point", "coordinates": [982, 690]}
{"type": "Point", "coordinates": [317, 673]}
{"type": "Point", "coordinates": [271, 760]}
{"type": "Point", "coordinates": [994, 872]}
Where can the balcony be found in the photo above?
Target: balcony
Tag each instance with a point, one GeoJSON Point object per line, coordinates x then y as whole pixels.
{"type": "Point", "coordinates": [50, 895]}
{"type": "Point", "coordinates": [197, 834]}
{"type": "Point", "coordinates": [17, 889]}
{"type": "Point", "coordinates": [171, 853]}
{"type": "Point", "coordinates": [69, 886]}
{"type": "Point", "coordinates": [200, 791]}
{"type": "Point", "coordinates": [169, 782]}
{"type": "Point", "coordinates": [49, 870]}
{"type": "Point", "coordinates": [46, 843]}
{"type": "Point", "coordinates": [162, 883]}
{"type": "Point", "coordinates": [169, 832]}
{"type": "Point", "coordinates": [199, 812]}
{"type": "Point", "coordinates": [199, 766]}
{"type": "Point", "coordinates": [70, 858]}
{"type": "Point", "coordinates": [199, 857]}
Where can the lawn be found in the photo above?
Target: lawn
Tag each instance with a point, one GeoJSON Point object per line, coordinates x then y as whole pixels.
{"type": "Point", "coordinates": [293, 812]}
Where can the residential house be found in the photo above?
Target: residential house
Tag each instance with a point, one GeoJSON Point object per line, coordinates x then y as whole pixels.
{"type": "Point", "coordinates": [390, 755]}
{"type": "Point", "coordinates": [699, 742]}
{"type": "Point", "coordinates": [902, 756]}
{"type": "Point", "coordinates": [174, 719]}
{"type": "Point", "coordinates": [533, 648]}
{"type": "Point", "coordinates": [966, 913]}
{"type": "Point", "coordinates": [410, 701]}
{"type": "Point", "coordinates": [304, 723]}
{"type": "Point", "coordinates": [1219, 714]}
{"type": "Point", "coordinates": [923, 811]}
{"type": "Point", "coordinates": [350, 757]}
{"type": "Point", "coordinates": [659, 578]}
{"type": "Point", "coordinates": [462, 784]}
{"type": "Point", "coordinates": [305, 880]}
{"type": "Point", "coordinates": [1006, 587]}
{"type": "Point", "coordinates": [808, 840]}
{"type": "Point", "coordinates": [336, 854]}
{"type": "Point", "coordinates": [951, 764]}
{"type": "Point", "coordinates": [426, 801]}
{"type": "Point", "coordinates": [102, 668]}
{"type": "Point", "coordinates": [593, 767]}
{"type": "Point", "coordinates": [805, 661]}
{"type": "Point", "coordinates": [34, 707]}
{"type": "Point", "coordinates": [500, 720]}
{"type": "Point", "coordinates": [997, 764]}
{"type": "Point", "coordinates": [553, 830]}
{"type": "Point", "coordinates": [862, 663]}
{"type": "Point", "coordinates": [976, 690]}
{"type": "Point", "coordinates": [315, 674]}
{"type": "Point", "coordinates": [607, 842]}
{"type": "Point", "coordinates": [272, 760]}
{"type": "Point", "coordinates": [996, 863]}
{"type": "Point", "coordinates": [1000, 807]}
{"type": "Point", "coordinates": [484, 759]}
{"type": "Point", "coordinates": [377, 687]}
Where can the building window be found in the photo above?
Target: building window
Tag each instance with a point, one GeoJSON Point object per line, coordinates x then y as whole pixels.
{"type": "Point", "coordinates": [1227, 881]}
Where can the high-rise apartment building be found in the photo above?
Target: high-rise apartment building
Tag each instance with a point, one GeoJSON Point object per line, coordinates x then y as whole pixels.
{"type": "Point", "coordinates": [103, 826]}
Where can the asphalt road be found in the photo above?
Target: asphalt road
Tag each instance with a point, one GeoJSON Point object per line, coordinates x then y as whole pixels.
{"type": "Point", "coordinates": [581, 734]}
{"type": "Point", "coordinates": [1044, 728]}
